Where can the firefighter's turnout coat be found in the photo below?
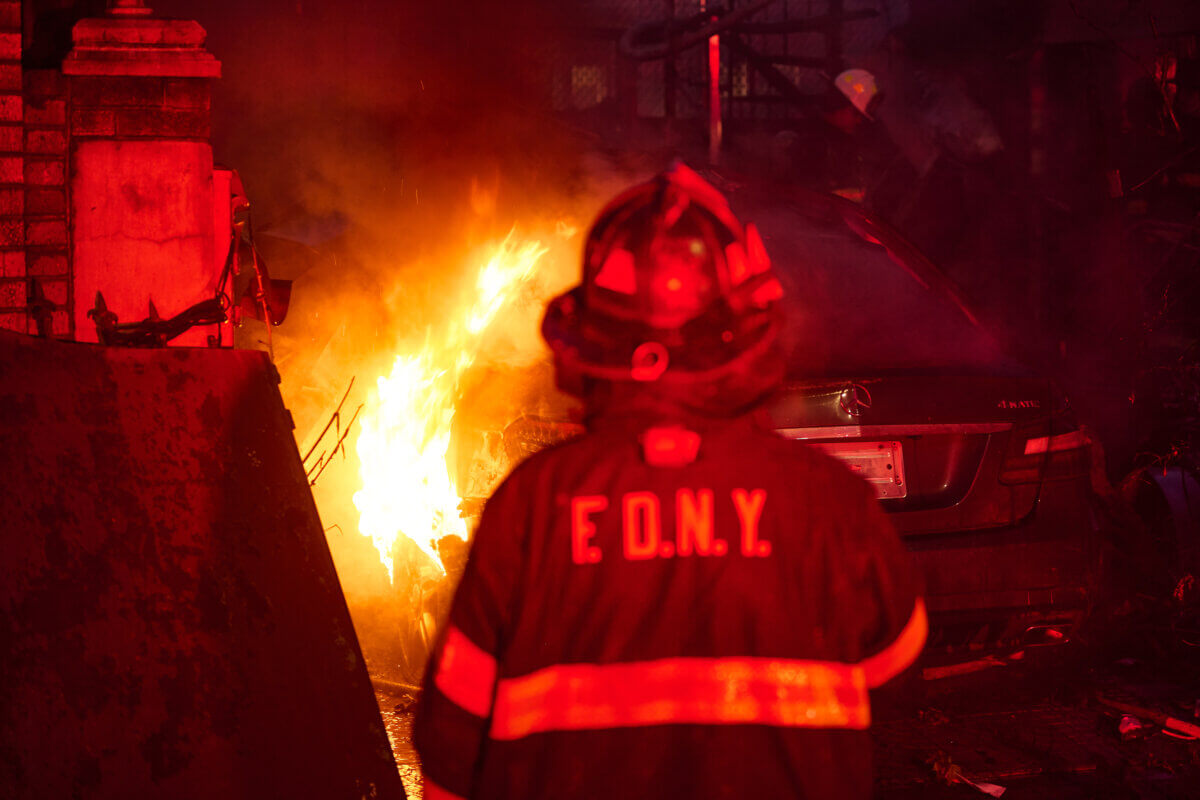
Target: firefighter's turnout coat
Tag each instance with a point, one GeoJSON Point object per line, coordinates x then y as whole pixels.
{"type": "Point", "coordinates": [664, 612]}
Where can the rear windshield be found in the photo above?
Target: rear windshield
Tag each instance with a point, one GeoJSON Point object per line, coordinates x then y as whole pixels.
{"type": "Point", "coordinates": [852, 308]}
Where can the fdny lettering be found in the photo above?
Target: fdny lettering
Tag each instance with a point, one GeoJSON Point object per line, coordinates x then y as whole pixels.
{"type": "Point", "coordinates": [694, 523]}
{"type": "Point", "coordinates": [642, 529]}
{"type": "Point", "coordinates": [749, 508]}
{"type": "Point", "coordinates": [583, 529]}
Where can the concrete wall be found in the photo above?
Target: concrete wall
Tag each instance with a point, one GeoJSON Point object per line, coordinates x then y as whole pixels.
{"type": "Point", "coordinates": [171, 620]}
{"type": "Point", "coordinates": [142, 213]}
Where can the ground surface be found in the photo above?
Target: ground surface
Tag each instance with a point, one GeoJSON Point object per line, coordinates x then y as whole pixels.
{"type": "Point", "coordinates": [1038, 729]}
{"type": "Point", "coordinates": [396, 708]}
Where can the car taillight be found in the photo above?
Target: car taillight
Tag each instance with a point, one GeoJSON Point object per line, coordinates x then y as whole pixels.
{"type": "Point", "coordinates": [1035, 454]}
{"type": "Point", "coordinates": [1055, 444]}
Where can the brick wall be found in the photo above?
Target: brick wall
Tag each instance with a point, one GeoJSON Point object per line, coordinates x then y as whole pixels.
{"type": "Point", "coordinates": [35, 280]}
{"type": "Point", "coordinates": [14, 287]}
{"type": "Point", "coordinates": [46, 201]}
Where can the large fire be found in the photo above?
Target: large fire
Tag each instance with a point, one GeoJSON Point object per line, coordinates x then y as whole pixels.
{"type": "Point", "coordinates": [407, 485]}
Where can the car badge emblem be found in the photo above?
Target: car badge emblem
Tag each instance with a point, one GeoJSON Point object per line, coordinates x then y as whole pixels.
{"type": "Point", "coordinates": [855, 399]}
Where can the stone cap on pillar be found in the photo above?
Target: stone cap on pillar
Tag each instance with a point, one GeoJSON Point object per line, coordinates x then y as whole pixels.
{"type": "Point", "coordinates": [130, 42]}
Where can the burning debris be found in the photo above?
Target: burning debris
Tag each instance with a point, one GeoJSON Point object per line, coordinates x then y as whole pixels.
{"type": "Point", "coordinates": [409, 486]}
{"type": "Point", "coordinates": [331, 440]}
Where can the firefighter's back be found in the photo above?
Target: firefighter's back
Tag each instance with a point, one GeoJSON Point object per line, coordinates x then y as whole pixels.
{"type": "Point", "coordinates": [688, 630]}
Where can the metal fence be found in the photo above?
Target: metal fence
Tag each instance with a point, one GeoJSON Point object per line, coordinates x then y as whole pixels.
{"type": "Point", "coordinates": [784, 56]}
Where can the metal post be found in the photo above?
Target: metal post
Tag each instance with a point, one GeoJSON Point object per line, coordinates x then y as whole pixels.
{"type": "Point", "coordinates": [714, 95]}
{"type": "Point", "coordinates": [1038, 107]}
{"type": "Point", "coordinates": [669, 67]}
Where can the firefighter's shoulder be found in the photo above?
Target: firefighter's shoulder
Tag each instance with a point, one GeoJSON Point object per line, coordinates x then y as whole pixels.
{"type": "Point", "coordinates": [540, 464]}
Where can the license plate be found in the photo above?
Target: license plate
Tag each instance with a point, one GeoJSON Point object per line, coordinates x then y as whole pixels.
{"type": "Point", "coordinates": [880, 464]}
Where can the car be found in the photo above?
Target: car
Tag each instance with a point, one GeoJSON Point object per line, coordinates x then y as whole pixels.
{"type": "Point", "coordinates": [978, 460]}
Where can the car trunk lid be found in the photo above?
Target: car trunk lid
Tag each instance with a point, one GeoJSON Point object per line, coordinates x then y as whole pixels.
{"type": "Point", "coordinates": [923, 441]}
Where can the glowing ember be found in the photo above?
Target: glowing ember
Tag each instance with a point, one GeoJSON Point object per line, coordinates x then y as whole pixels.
{"type": "Point", "coordinates": [407, 485]}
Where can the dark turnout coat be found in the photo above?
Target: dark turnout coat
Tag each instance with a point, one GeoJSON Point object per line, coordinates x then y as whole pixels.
{"type": "Point", "coordinates": [660, 612]}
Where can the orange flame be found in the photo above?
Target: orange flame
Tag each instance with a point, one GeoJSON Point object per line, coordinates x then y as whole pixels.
{"type": "Point", "coordinates": [407, 486]}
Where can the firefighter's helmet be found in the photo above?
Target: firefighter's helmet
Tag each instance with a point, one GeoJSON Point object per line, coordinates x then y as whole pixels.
{"type": "Point", "coordinates": [676, 293]}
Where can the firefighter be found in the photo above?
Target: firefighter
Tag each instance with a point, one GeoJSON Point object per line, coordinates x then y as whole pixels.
{"type": "Point", "coordinates": [678, 603]}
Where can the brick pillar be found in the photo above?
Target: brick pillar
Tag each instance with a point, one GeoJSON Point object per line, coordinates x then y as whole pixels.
{"type": "Point", "coordinates": [141, 175]}
{"type": "Point", "coordinates": [13, 287]}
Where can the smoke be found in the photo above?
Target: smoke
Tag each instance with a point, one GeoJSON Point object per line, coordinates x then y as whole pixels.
{"type": "Point", "coordinates": [385, 147]}
{"type": "Point", "coordinates": [365, 107]}
{"type": "Point", "coordinates": [381, 144]}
